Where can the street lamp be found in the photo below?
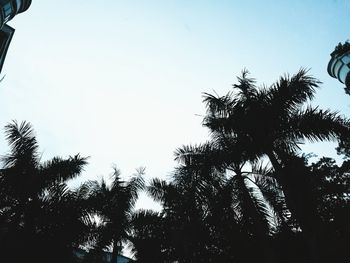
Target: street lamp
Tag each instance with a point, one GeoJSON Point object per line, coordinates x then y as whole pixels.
{"type": "Point", "coordinates": [8, 9]}
{"type": "Point", "coordinates": [339, 65]}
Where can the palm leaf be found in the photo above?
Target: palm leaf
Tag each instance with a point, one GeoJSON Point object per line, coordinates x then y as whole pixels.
{"type": "Point", "coordinates": [24, 147]}
{"type": "Point", "coordinates": [314, 124]}
{"type": "Point", "coordinates": [58, 169]}
{"type": "Point", "coordinates": [246, 86]}
{"type": "Point", "coordinates": [219, 106]}
{"type": "Point", "coordinates": [264, 208]}
{"type": "Point", "coordinates": [289, 93]}
{"type": "Point", "coordinates": [157, 189]}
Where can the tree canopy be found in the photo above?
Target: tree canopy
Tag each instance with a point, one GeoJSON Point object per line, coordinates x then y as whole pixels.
{"type": "Point", "coordinates": [248, 194]}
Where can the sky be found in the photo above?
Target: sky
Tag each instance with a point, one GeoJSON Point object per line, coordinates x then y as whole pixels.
{"type": "Point", "coordinates": [122, 81]}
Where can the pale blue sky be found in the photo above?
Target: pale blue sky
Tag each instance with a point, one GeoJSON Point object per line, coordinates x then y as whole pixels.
{"type": "Point", "coordinates": [121, 81]}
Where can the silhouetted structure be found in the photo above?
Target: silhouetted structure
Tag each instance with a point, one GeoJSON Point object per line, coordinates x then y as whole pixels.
{"type": "Point", "coordinates": [339, 65]}
{"type": "Point", "coordinates": [9, 8]}
{"type": "Point", "coordinates": [105, 257]}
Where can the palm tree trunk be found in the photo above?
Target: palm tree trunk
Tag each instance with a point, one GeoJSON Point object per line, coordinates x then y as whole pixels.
{"type": "Point", "coordinates": [300, 203]}
{"type": "Point", "coordinates": [275, 163]}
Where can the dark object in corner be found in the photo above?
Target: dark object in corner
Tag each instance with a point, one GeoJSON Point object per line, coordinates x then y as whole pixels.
{"type": "Point", "coordinates": [6, 34]}
{"type": "Point", "coordinates": [8, 10]}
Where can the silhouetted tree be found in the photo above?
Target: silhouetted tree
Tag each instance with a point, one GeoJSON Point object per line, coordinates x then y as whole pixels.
{"type": "Point", "coordinates": [213, 209]}
{"type": "Point", "coordinates": [41, 219]}
{"type": "Point", "coordinates": [113, 204]}
{"type": "Point", "coordinates": [331, 185]}
{"type": "Point", "coordinates": [221, 204]}
{"type": "Point", "coordinates": [273, 122]}
{"type": "Point", "coordinates": [255, 214]}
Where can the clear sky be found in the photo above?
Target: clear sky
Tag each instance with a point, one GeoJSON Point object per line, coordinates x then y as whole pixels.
{"type": "Point", "coordinates": [121, 81]}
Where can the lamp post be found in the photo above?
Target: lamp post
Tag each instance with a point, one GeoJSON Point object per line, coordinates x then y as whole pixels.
{"type": "Point", "coordinates": [339, 65]}
{"type": "Point", "coordinates": [9, 9]}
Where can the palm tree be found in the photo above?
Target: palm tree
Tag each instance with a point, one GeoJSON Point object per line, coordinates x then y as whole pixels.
{"type": "Point", "coordinates": [35, 201]}
{"type": "Point", "coordinates": [273, 122]}
{"type": "Point", "coordinates": [114, 204]}
{"type": "Point", "coordinates": [64, 222]}
{"type": "Point", "coordinates": [209, 193]}
{"type": "Point", "coordinates": [223, 160]}
{"type": "Point", "coordinates": [185, 210]}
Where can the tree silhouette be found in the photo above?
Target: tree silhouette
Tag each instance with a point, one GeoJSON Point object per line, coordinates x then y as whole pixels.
{"type": "Point", "coordinates": [252, 210]}
{"type": "Point", "coordinates": [273, 122]}
{"type": "Point", "coordinates": [215, 211]}
{"type": "Point", "coordinates": [39, 215]}
{"type": "Point", "coordinates": [331, 185]}
{"type": "Point", "coordinates": [248, 194]}
{"type": "Point", "coordinates": [113, 204]}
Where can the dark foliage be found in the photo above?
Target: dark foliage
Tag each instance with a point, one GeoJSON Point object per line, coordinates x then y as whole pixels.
{"type": "Point", "coordinates": [246, 195]}
{"type": "Point", "coordinates": [344, 147]}
{"type": "Point", "coordinates": [215, 211]}
{"type": "Point", "coordinates": [40, 217]}
{"type": "Point", "coordinates": [113, 205]}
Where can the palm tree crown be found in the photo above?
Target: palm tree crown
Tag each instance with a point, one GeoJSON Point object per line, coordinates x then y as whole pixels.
{"type": "Point", "coordinates": [37, 210]}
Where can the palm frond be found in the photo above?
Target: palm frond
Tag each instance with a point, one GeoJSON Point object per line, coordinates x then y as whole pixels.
{"type": "Point", "coordinates": [289, 93]}
{"type": "Point", "coordinates": [274, 195]}
{"type": "Point", "coordinates": [84, 190]}
{"type": "Point", "coordinates": [246, 86]}
{"type": "Point", "coordinates": [144, 214]}
{"type": "Point", "coordinates": [24, 147]}
{"type": "Point", "coordinates": [58, 169]}
{"type": "Point", "coordinates": [314, 124]}
{"type": "Point", "coordinates": [157, 189]}
{"type": "Point", "coordinates": [190, 154]}
{"type": "Point", "coordinates": [135, 184]}
{"type": "Point", "coordinates": [264, 208]}
{"type": "Point", "coordinates": [116, 179]}
{"type": "Point", "coordinates": [260, 168]}
{"type": "Point", "coordinates": [219, 106]}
